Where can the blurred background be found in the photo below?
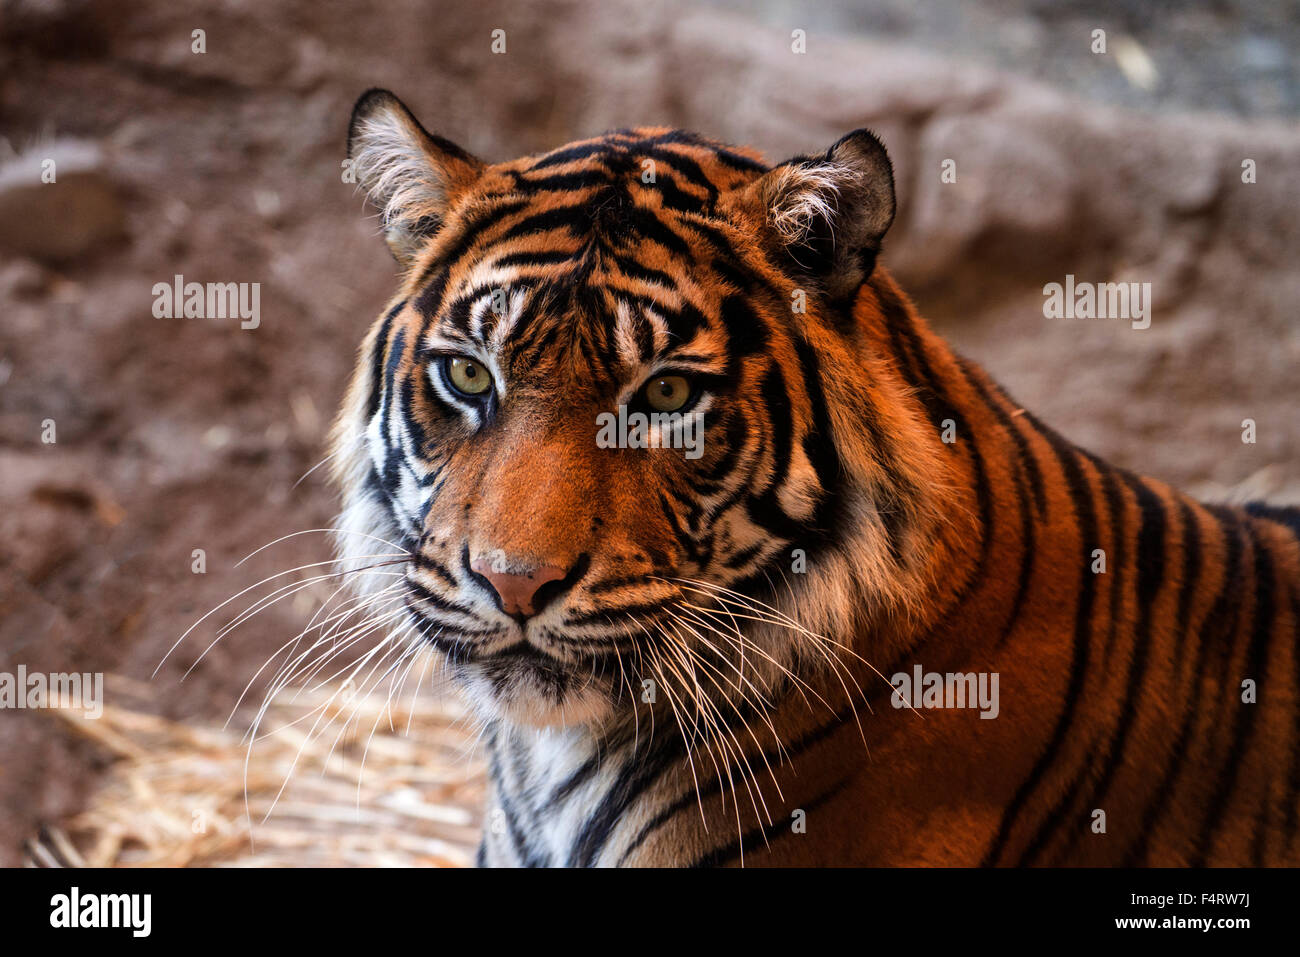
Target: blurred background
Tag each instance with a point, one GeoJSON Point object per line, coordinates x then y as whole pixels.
{"type": "Point", "coordinates": [225, 166]}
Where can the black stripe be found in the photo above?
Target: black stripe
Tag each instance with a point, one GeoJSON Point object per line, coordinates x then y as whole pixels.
{"type": "Point", "coordinates": [737, 161]}
{"type": "Point", "coordinates": [436, 601]}
{"type": "Point", "coordinates": [596, 177]}
{"type": "Point", "coordinates": [1028, 476]}
{"type": "Point", "coordinates": [1293, 776]}
{"type": "Point", "coordinates": [675, 198]}
{"type": "Point", "coordinates": [518, 839]}
{"type": "Point", "coordinates": [735, 431]}
{"type": "Point", "coordinates": [569, 154]}
{"type": "Point", "coordinates": [679, 163]}
{"type": "Point", "coordinates": [820, 448]}
{"type": "Point", "coordinates": [392, 360]}
{"type": "Point", "coordinates": [1149, 559]}
{"type": "Point", "coordinates": [605, 615]}
{"type": "Point", "coordinates": [771, 757]}
{"type": "Point", "coordinates": [1190, 576]}
{"type": "Point", "coordinates": [1139, 850]}
{"type": "Point", "coordinates": [535, 258]}
{"type": "Point", "coordinates": [574, 219]}
{"type": "Point", "coordinates": [429, 563]}
{"type": "Point", "coordinates": [1085, 520]}
{"type": "Point", "coordinates": [911, 350]}
{"type": "Point", "coordinates": [420, 440]}
{"type": "Point", "coordinates": [632, 780]}
{"type": "Point", "coordinates": [767, 833]}
{"type": "Point", "coordinates": [577, 779]}
{"type": "Point", "coordinates": [992, 393]}
{"type": "Point", "coordinates": [1211, 632]}
{"type": "Point", "coordinates": [634, 269]}
{"type": "Point", "coordinates": [1117, 565]}
{"type": "Point", "coordinates": [378, 350]}
{"type": "Point", "coordinates": [1242, 724]}
{"type": "Point", "coordinates": [747, 333]}
{"type": "Point", "coordinates": [468, 231]}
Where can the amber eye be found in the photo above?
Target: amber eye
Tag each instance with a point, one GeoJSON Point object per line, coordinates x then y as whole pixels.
{"type": "Point", "coordinates": [667, 393]}
{"type": "Point", "coordinates": [467, 375]}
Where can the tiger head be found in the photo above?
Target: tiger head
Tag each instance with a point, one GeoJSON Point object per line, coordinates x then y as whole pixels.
{"type": "Point", "coordinates": [623, 419]}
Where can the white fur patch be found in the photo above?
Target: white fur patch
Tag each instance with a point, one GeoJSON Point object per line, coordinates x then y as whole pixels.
{"type": "Point", "coordinates": [805, 194]}
{"type": "Point", "coordinates": [393, 169]}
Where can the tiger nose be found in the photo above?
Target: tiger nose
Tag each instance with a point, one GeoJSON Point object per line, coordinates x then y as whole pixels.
{"type": "Point", "coordinates": [519, 593]}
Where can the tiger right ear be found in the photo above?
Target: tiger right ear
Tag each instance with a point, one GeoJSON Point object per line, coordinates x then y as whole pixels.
{"type": "Point", "coordinates": [410, 175]}
{"type": "Point", "coordinates": [832, 210]}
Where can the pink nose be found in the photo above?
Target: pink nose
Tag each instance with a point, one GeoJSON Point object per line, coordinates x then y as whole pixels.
{"type": "Point", "coordinates": [518, 592]}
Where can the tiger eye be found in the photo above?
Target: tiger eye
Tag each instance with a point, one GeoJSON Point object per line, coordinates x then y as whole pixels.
{"type": "Point", "coordinates": [667, 393]}
{"type": "Point", "coordinates": [468, 376]}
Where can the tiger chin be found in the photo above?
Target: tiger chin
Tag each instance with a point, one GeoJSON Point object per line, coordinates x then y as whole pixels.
{"type": "Point", "coordinates": [684, 659]}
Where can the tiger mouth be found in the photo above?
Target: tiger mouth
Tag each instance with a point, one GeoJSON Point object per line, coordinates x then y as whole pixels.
{"type": "Point", "coordinates": [522, 654]}
{"type": "Point", "coordinates": [524, 661]}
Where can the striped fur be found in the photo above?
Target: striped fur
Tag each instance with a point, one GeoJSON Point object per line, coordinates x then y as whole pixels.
{"type": "Point", "coordinates": [770, 738]}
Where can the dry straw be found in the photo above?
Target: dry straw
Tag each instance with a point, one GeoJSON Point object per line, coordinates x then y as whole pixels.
{"type": "Point", "coordinates": [181, 795]}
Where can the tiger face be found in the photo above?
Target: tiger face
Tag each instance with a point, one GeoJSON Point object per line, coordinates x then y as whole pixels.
{"type": "Point", "coordinates": [595, 419]}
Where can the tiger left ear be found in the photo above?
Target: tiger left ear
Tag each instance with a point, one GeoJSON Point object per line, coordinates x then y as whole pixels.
{"type": "Point", "coordinates": [410, 175]}
{"type": "Point", "coordinates": [832, 211]}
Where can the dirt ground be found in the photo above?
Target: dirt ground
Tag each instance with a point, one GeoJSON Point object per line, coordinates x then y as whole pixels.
{"type": "Point", "coordinates": [179, 434]}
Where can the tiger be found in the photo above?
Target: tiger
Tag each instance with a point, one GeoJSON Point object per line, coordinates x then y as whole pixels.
{"type": "Point", "coordinates": [687, 661]}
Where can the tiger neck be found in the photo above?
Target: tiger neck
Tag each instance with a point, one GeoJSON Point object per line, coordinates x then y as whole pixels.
{"type": "Point", "coordinates": [959, 466]}
{"type": "Point", "coordinates": [556, 796]}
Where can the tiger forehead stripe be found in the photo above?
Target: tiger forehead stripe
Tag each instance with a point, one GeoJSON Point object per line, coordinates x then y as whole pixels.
{"type": "Point", "coordinates": [630, 339]}
{"type": "Point", "coordinates": [658, 329]}
{"type": "Point", "coordinates": [698, 165]}
{"type": "Point", "coordinates": [642, 339]}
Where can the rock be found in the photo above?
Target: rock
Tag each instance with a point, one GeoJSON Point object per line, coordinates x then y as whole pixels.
{"type": "Point", "coordinates": [57, 203]}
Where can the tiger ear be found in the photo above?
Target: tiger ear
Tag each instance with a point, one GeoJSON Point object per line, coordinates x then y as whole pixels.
{"type": "Point", "coordinates": [408, 174]}
{"type": "Point", "coordinates": [831, 211]}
